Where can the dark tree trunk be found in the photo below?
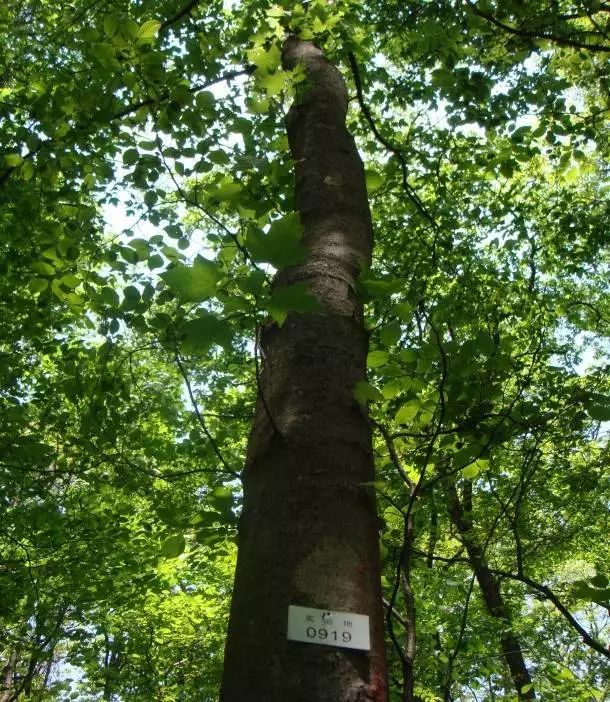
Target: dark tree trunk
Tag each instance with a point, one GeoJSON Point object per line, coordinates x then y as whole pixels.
{"type": "Point", "coordinates": [112, 664]}
{"type": "Point", "coordinates": [408, 662]}
{"type": "Point", "coordinates": [308, 533]}
{"type": "Point", "coordinates": [461, 516]}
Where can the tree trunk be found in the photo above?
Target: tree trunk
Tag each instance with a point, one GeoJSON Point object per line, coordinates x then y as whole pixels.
{"type": "Point", "coordinates": [408, 662]}
{"type": "Point", "coordinates": [309, 533]}
{"type": "Point", "coordinates": [509, 643]}
{"type": "Point", "coordinates": [7, 674]}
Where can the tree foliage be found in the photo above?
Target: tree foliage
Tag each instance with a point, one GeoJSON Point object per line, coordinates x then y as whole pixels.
{"type": "Point", "coordinates": [146, 199]}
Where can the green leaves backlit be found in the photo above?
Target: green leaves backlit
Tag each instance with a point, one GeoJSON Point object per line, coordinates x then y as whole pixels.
{"type": "Point", "coordinates": [291, 298]}
{"type": "Point", "coordinates": [281, 245]}
{"type": "Point", "coordinates": [173, 546]}
{"type": "Point", "coordinates": [193, 283]}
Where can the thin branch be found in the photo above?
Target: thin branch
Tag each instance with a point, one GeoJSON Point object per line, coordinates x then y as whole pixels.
{"type": "Point", "coordinates": [411, 194]}
{"type": "Point", "coordinates": [200, 418]}
{"type": "Point", "coordinates": [552, 597]}
{"type": "Point", "coordinates": [259, 387]}
{"type": "Point", "coordinates": [130, 109]}
{"type": "Point", "coordinates": [394, 613]}
{"type": "Point", "coordinates": [417, 487]}
{"type": "Point", "coordinates": [134, 107]}
{"type": "Point", "coordinates": [181, 14]}
{"type": "Point", "coordinates": [193, 203]}
{"type": "Point", "coordinates": [557, 39]}
{"type": "Point", "coordinates": [538, 587]}
{"type": "Point", "coordinates": [393, 455]}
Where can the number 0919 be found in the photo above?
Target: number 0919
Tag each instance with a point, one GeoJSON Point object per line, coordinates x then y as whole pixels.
{"type": "Point", "coordinates": [330, 635]}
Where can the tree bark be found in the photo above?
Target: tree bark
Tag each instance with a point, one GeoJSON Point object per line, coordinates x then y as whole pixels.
{"type": "Point", "coordinates": [309, 533]}
{"type": "Point", "coordinates": [7, 674]}
{"type": "Point", "coordinates": [408, 662]}
{"type": "Point", "coordinates": [461, 516]}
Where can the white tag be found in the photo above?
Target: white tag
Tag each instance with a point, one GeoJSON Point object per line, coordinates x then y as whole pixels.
{"type": "Point", "coordinates": [319, 626]}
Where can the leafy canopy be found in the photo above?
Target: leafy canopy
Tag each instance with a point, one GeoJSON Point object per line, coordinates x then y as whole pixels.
{"type": "Point", "coordinates": [146, 198]}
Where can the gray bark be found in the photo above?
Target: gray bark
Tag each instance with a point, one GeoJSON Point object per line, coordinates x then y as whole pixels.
{"type": "Point", "coordinates": [309, 533]}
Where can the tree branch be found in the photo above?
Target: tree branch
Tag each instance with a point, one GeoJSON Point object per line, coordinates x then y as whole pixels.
{"type": "Point", "coordinates": [201, 420]}
{"type": "Point", "coordinates": [557, 39]}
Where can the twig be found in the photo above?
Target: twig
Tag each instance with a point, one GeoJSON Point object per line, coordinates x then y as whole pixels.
{"type": "Point", "coordinates": [200, 418]}
{"type": "Point", "coordinates": [562, 41]}
{"type": "Point", "coordinates": [411, 194]}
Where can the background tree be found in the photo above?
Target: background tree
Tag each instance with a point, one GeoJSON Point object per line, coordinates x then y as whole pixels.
{"type": "Point", "coordinates": [146, 190]}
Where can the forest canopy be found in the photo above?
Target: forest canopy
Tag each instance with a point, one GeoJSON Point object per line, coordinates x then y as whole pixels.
{"type": "Point", "coordinates": [146, 201]}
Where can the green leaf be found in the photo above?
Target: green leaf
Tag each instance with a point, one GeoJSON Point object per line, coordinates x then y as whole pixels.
{"type": "Point", "coordinates": [43, 268]}
{"type": "Point", "coordinates": [281, 245]}
{"type": "Point", "coordinates": [390, 334]}
{"type": "Point", "coordinates": [37, 285]}
{"type": "Point", "coordinates": [193, 283]}
{"type": "Point", "coordinates": [365, 392]}
{"type": "Point", "coordinates": [253, 283]}
{"type": "Point", "coordinates": [408, 412]}
{"type": "Point", "coordinates": [150, 198]}
{"type": "Point", "coordinates": [13, 160]}
{"type": "Point", "coordinates": [443, 78]}
{"type": "Point", "coordinates": [155, 261]}
{"type": "Point", "coordinates": [70, 280]}
{"type": "Point", "coordinates": [273, 83]}
{"type": "Point", "coordinates": [220, 158]}
{"type": "Point", "coordinates": [599, 580]}
{"type": "Point", "coordinates": [109, 296]}
{"type": "Point", "coordinates": [395, 386]}
{"type": "Point", "coordinates": [205, 537]}
{"type": "Point", "coordinates": [204, 331]}
{"type": "Point", "coordinates": [407, 355]}
{"type": "Point", "coordinates": [205, 101]}
{"type": "Point", "coordinates": [148, 30]}
{"type": "Point", "coordinates": [471, 471]}
{"type": "Point", "coordinates": [131, 293]}
{"type": "Point", "coordinates": [141, 247]}
{"type": "Point", "coordinates": [265, 60]}
{"type": "Point", "coordinates": [130, 156]}
{"type": "Point", "coordinates": [205, 518]}
{"type": "Point", "coordinates": [376, 359]}
{"type": "Point", "coordinates": [226, 191]}
{"type": "Point", "coordinates": [110, 25]}
{"type": "Point", "coordinates": [374, 181]}
{"type": "Point", "coordinates": [381, 287]}
{"type": "Point", "coordinates": [129, 254]}
{"type": "Point", "coordinates": [291, 298]}
{"type": "Point", "coordinates": [599, 412]}
{"type": "Point", "coordinates": [507, 168]}
{"type": "Point", "coordinates": [404, 311]}
{"type": "Point", "coordinates": [222, 500]}
{"type": "Point", "coordinates": [173, 546]}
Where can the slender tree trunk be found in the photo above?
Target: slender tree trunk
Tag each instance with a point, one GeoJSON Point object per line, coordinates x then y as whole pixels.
{"type": "Point", "coordinates": [309, 532]}
{"type": "Point", "coordinates": [461, 516]}
{"type": "Point", "coordinates": [408, 662]}
{"type": "Point", "coordinates": [112, 664]}
{"type": "Point", "coordinates": [7, 673]}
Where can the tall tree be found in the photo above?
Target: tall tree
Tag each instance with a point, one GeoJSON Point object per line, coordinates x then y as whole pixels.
{"type": "Point", "coordinates": [177, 267]}
{"type": "Point", "coordinates": [309, 521]}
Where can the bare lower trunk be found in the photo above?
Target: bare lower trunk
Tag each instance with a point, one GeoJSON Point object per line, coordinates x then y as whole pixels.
{"type": "Point", "coordinates": [408, 663]}
{"type": "Point", "coordinates": [308, 533]}
{"type": "Point", "coordinates": [8, 671]}
{"type": "Point", "coordinates": [509, 643]}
